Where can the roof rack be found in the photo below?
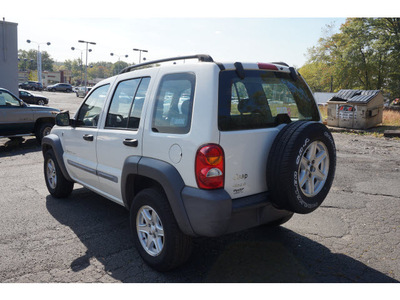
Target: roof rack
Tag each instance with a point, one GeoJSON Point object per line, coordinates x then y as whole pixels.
{"type": "Point", "coordinates": [200, 57]}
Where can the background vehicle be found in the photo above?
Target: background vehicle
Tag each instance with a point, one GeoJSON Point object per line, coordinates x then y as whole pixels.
{"type": "Point", "coordinates": [195, 149]}
{"type": "Point", "coordinates": [82, 91]}
{"type": "Point", "coordinates": [32, 98]}
{"type": "Point", "coordinates": [31, 85]}
{"type": "Point", "coordinates": [60, 87]}
{"type": "Point", "coordinates": [18, 118]}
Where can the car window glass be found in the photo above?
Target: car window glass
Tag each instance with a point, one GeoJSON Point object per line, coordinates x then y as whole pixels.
{"type": "Point", "coordinates": [262, 99]}
{"type": "Point", "coordinates": [126, 104]}
{"type": "Point", "coordinates": [173, 110]}
{"type": "Point", "coordinates": [136, 110]}
{"type": "Point", "coordinates": [121, 103]}
{"type": "Point", "coordinates": [7, 100]}
{"type": "Point", "coordinates": [89, 112]}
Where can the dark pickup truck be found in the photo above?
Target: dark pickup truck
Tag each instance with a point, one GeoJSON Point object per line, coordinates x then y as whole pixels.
{"type": "Point", "coordinates": [19, 119]}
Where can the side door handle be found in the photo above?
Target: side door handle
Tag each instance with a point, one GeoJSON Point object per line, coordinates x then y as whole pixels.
{"type": "Point", "coordinates": [88, 137]}
{"type": "Point", "coordinates": [131, 142]}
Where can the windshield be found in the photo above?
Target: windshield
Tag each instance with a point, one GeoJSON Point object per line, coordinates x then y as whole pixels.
{"type": "Point", "coordinates": [262, 99]}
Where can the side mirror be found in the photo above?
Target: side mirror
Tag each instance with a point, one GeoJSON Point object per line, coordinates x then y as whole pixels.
{"type": "Point", "coordinates": [62, 118]}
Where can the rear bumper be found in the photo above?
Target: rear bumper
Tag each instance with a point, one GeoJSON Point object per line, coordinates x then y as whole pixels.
{"type": "Point", "coordinates": [213, 213]}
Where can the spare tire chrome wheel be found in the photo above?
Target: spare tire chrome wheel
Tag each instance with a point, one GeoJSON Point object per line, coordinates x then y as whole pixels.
{"type": "Point", "coordinates": [313, 169]}
{"type": "Point", "coordinates": [301, 167]}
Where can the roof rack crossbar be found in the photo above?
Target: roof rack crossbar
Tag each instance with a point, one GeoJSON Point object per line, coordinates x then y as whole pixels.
{"type": "Point", "coordinates": [200, 57]}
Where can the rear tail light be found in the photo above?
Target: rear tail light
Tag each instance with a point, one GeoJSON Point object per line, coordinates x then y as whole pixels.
{"type": "Point", "coordinates": [210, 167]}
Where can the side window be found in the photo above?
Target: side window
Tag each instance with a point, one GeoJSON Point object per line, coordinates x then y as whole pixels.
{"type": "Point", "coordinates": [173, 110]}
{"type": "Point", "coordinates": [126, 104]}
{"type": "Point", "coordinates": [90, 111]}
{"type": "Point", "coordinates": [7, 100]}
{"type": "Point", "coordinates": [136, 110]}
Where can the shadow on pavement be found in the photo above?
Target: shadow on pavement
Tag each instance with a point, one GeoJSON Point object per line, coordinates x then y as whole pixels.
{"type": "Point", "coordinates": [18, 146]}
{"type": "Point", "coordinates": [258, 255]}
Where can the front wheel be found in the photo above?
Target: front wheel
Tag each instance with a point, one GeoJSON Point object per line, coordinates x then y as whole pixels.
{"type": "Point", "coordinates": [157, 237]}
{"type": "Point", "coordinates": [56, 183]}
{"type": "Point", "coordinates": [43, 130]}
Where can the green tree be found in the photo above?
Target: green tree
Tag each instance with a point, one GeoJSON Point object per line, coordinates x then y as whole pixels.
{"type": "Point", "coordinates": [363, 55]}
{"type": "Point", "coordinates": [28, 60]}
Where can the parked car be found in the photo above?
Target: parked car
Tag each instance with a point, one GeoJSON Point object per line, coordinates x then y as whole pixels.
{"type": "Point", "coordinates": [19, 119]}
{"type": "Point", "coordinates": [31, 85]}
{"type": "Point", "coordinates": [60, 87]}
{"type": "Point", "coordinates": [82, 91]}
{"type": "Point", "coordinates": [32, 98]}
{"type": "Point", "coordinates": [195, 149]}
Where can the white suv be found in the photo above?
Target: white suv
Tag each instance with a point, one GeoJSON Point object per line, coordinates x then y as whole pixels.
{"type": "Point", "coordinates": [195, 149]}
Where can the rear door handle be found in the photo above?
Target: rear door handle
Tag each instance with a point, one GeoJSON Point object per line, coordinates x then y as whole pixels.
{"type": "Point", "coordinates": [130, 142]}
{"type": "Point", "coordinates": [88, 137]}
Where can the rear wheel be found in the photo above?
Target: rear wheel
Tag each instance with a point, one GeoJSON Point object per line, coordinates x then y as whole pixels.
{"type": "Point", "coordinates": [56, 183]}
{"type": "Point", "coordinates": [157, 236]}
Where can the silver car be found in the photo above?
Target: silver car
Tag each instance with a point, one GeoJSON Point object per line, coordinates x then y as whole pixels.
{"type": "Point", "coordinates": [82, 91]}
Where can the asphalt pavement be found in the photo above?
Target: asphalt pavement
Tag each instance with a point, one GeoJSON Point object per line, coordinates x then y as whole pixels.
{"type": "Point", "coordinates": [353, 237]}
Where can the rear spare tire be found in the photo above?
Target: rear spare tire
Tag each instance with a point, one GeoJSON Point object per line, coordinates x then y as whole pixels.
{"type": "Point", "coordinates": [301, 166]}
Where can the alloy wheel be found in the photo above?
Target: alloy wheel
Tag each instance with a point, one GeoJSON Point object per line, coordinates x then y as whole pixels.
{"type": "Point", "coordinates": [313, 169]}
{"type": "Point", "coordinates": [150, 230]}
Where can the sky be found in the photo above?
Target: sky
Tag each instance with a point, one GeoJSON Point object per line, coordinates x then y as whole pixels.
{"type": "Point", "coordinates": [247, 31]}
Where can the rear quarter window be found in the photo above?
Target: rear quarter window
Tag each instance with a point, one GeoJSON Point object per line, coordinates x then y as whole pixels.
{"type": "Point", "coordinates": [262, 99]}
{"type": "Point", "coordinates": [174, 101]}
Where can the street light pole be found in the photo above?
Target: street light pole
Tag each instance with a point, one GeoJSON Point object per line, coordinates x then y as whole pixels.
{"type": "Point", "coordinates": [140, 53]}
{"type": "Point", "coordinates": [119, 57]}
{"type": "Point", "coordinates": [39, 59]}
{"type": "Point", "coordinates": [90, 50]}
{"type": "Point", "coordinates": [87, 43]}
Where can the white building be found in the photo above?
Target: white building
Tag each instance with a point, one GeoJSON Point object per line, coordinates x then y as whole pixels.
{"type": "Point", "coordinates": [9, 56]}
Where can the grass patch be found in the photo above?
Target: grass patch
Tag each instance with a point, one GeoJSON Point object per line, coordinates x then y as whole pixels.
{"type": "Point", "coordinates": [391, 118]}
{"type": "Point", "coordinates": [323, 111]}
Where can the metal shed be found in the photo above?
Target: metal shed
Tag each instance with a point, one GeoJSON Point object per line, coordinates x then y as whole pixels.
{"type": "Point", "coordinates": [358, 109]}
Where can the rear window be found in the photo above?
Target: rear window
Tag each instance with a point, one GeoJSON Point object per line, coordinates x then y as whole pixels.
{"type": "Point", "coordinates": [262, 99]}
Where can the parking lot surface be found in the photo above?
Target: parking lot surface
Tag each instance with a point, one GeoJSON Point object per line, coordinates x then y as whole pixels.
{"type": "Point", "coordinates": [353, 237]}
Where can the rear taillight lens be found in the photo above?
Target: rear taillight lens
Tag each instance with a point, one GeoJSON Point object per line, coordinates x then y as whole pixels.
{"type": "Point", "coordinates": [210, 167]}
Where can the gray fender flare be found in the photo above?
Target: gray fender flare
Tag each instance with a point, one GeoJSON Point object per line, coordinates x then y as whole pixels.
{"type": "Point", "coordinates": [53, 141]}
{"type": "Point", "coordinates": [167, 176]}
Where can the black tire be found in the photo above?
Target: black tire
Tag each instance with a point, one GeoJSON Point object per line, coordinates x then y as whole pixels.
{"type": "Point", "coordinates": [57, 184]}
{"type": "Point", "coordinates": [40, 102]}
{"type": "Point", "coordinates": [174, 246]}
{"type": "Point", "coordinates": [43, 130]}
{"type": "Point", "coordinates": [301, 166]}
